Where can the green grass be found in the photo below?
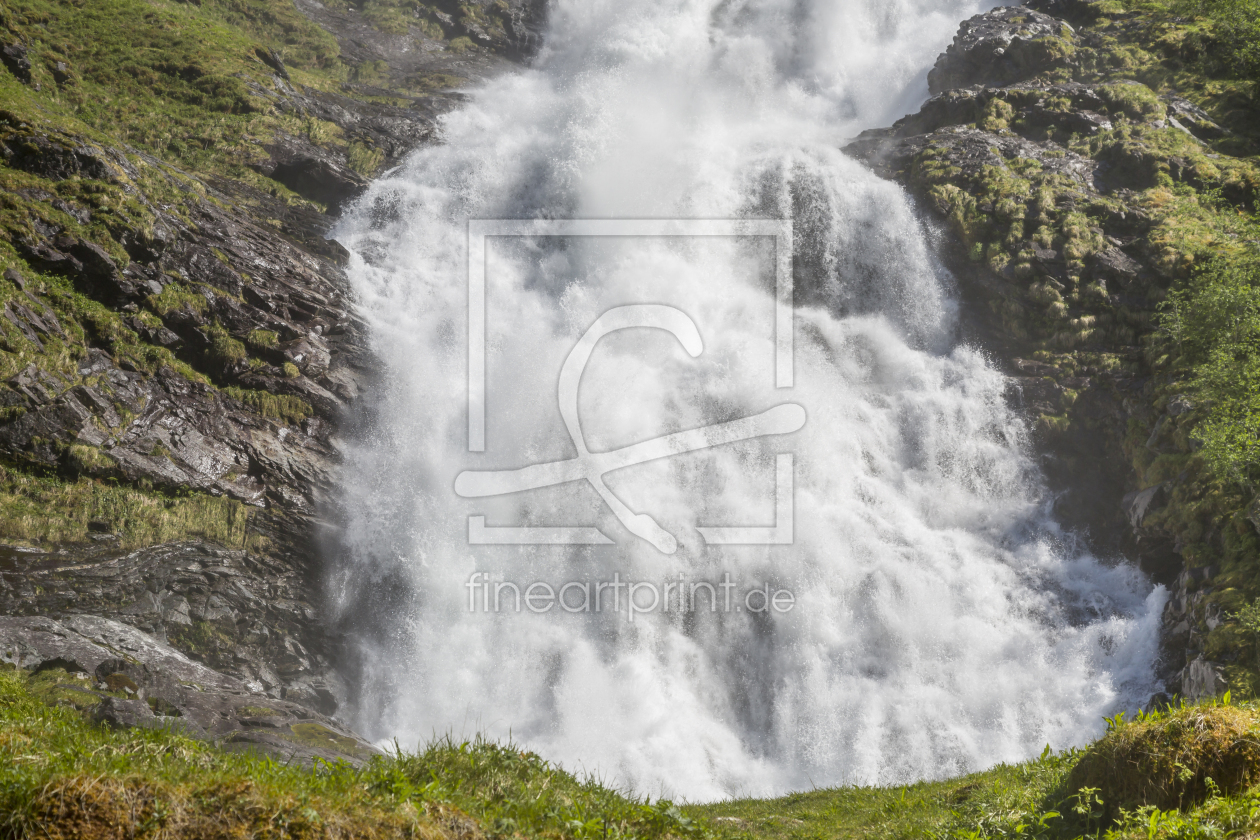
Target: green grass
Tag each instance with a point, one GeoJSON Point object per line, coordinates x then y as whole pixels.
{"type": "Point", "coordinates": [284, 407]}
{"type": "Point", "coordinates": [1147, 778]}
{"type": "Point", "coordinates": [61, 777]}
{"type": "Point", "coordinates": [49, 510]}
{"type": "Point", "coordinates": [1185, 773]}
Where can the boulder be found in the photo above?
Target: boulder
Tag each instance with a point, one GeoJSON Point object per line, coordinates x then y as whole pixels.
{"type": "Point", "coordinates": [1008, 44]}
{"type": "Point", "coordinates": [15, 60]}
{"type": "Point", "coordinates": [1202, 679]}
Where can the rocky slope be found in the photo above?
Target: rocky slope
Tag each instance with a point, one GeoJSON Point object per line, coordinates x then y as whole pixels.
{"type": "Point", "coordinates": [1085, 167]}
{"type": "Point", "coordinates": [177, 344]}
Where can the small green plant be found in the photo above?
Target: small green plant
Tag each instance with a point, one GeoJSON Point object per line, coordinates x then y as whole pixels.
{"type": "Point", "coordinates": [284, 407]}
{"type": "Point", "coordinates": [262, 339]}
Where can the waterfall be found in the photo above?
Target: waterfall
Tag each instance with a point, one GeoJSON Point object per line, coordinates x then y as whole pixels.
{"type": "Point", "coordinates": [928, 616]}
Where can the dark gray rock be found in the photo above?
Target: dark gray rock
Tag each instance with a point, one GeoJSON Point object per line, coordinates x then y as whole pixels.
{"type": "Point", "coordinates": [123, 714]}
{"type": "Point", "coordinates": [312, 171]}
{"type": "Point", "coordinates": [15, 60]}
{"type": "Point", "coordinates": [1192, 119]}
{"type": "Point", "coordinates": [246, 615]}
{"type": "Point", "coordinates": [1008, 44]}
{"type": "Point", "coordinates": [135, 680]}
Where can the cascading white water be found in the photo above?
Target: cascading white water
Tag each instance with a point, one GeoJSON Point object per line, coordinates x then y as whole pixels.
{"type": "Point", "coordinates": [941, 621]}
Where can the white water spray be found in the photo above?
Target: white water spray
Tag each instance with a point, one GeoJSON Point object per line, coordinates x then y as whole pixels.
{"type": "Point", "coordinates": [941, 621]}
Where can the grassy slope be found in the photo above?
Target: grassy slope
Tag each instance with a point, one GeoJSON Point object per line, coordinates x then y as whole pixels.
{"type": "Point", "coordinates": [63, 777]}
{"type": "Point", "coordinates": [1188, 773]}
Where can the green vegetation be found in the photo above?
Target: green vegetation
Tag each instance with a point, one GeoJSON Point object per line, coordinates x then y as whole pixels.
{"type": "Point", "coordinates": [46, 510]}
{"type": "Point", "coordinates": [130, 105]}
{"type": "Point", "coordinates": [1231, 45]}
{"type": "Point", "coordinates": [61, 777]}
{"type": "Point", "coordinates": [1153, 283]}
{"type": "Point", "coordinates": [1187, 772]}
{"type": "Point", "coordinates": [284, 407]}
{"type": "Point", "coordinates": [1213, 325]}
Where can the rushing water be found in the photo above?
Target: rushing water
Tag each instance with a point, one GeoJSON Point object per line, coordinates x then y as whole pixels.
{"type": "Point", "coordinates": [940, 620]}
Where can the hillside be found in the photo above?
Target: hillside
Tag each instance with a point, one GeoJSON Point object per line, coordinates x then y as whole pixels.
{"type": "Point", "coordinates": [177, 348]}
{"type": "Point", "coordinates": [1186, 773]}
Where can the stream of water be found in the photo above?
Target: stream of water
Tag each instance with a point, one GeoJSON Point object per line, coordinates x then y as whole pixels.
{"type": "Point", "coordinates": [928, 617]}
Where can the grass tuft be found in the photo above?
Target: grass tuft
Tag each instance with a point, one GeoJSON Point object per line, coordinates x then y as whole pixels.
{"type": "Point", "coordinates": [1174, 760]}
{"type": "Point", "coordinates": [48, 510]}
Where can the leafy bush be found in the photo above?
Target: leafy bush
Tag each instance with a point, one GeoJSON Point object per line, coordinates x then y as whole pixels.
{"type": "Point", "coordinates": [1215, 325]}
{"type": "Point", "coordinates": [1235, 32]}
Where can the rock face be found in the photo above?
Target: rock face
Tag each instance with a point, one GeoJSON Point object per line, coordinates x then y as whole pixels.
{"type": "Point", "coordinates": [1052, 170]}
{"type": "Point", "coordinates": [263, 308]}
{"type": "Point", "coordinates": [248, 616]}
{"type": "Point", "coordinates": [192, 335]}
{"type": "Point", "coordinates": [123, 677]}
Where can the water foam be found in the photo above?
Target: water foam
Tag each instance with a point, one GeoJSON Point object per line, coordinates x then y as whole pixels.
{"type": "Point", "coordinates": [943, 622]}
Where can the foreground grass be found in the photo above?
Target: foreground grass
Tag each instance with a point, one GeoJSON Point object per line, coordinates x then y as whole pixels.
{"type": "Point", "coordinates": [61, 777]}
{"type": "Point", "coordinates": [1190, 772]}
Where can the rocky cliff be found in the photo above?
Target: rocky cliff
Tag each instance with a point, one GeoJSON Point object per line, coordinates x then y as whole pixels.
{"type": "Point", "coordinates": [177, 343]}
{"type": "Point", "coordinates": [1088, 166]}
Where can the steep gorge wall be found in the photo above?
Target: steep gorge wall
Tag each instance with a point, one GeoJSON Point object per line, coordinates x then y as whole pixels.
{"type": "Point", "coordinates": [178, 349]}
{"type": "Point", "coordinates": [1084, 168]}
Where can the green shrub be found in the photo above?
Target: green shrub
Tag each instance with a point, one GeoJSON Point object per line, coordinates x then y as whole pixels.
{"type": "Point", "coordinates": [1173, 760]}
{"type": "Point", "coordinates": [225, 350]}
{"type": "Point", "coordinates": [1234, 43]}
{"type": "Point", "coordinates": [1214, 324]}
{"type": "Point", "coordinates": [262, 339]}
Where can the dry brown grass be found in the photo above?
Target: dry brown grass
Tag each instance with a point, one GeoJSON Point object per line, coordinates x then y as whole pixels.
{"type": "Point", "coordinates": [1167, 761]}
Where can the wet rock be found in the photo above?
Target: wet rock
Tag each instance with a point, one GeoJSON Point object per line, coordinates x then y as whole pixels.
{"type": "Point", "coordinates": [141, 682]}
{"type": "Point", "coordinates": [248, 616]}
{"type": "Point", "coordinates": [1008, 44]}
{"type": "Point", "coordinates": [1202, 679]}
{"type": "Point", "coordinates": [314, 175]}
{"type": "Point", "coordinates": [123, 714]}
{"type": "Point", "coordinates": [1141, 502]}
